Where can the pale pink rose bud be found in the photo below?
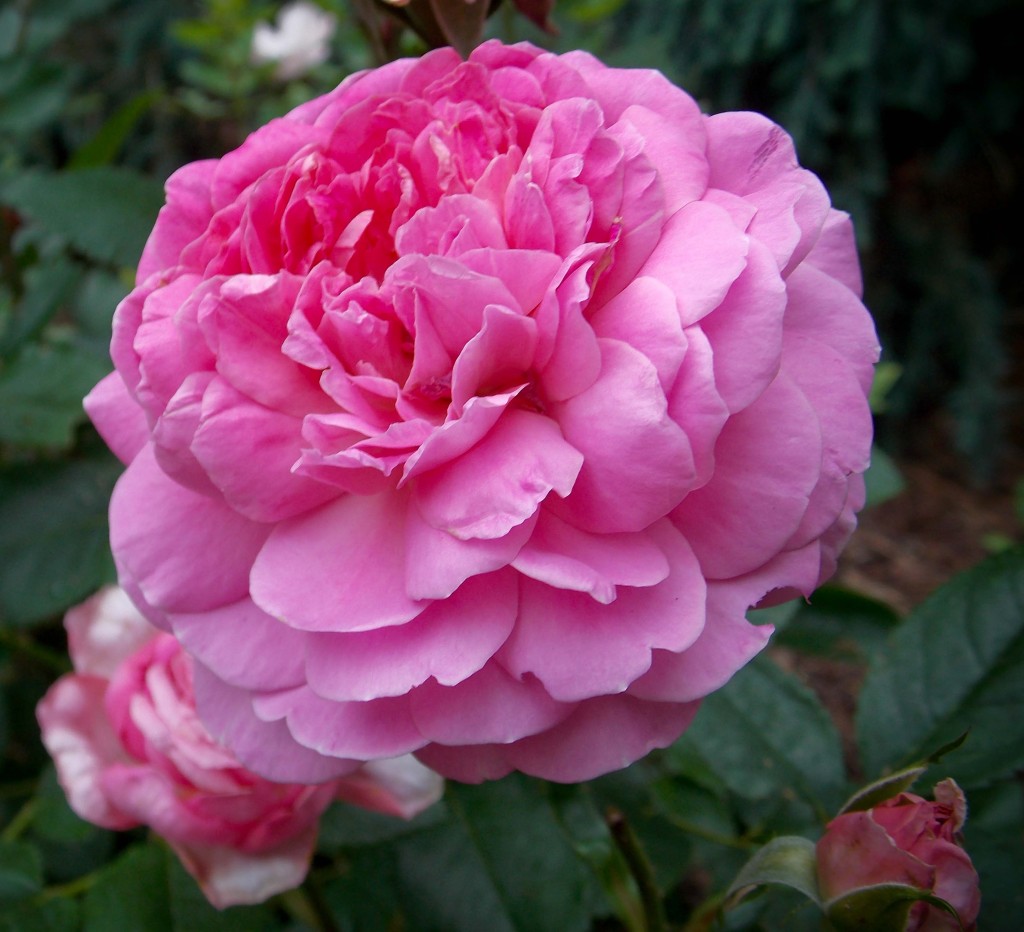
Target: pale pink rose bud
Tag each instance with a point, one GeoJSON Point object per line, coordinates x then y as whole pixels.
{"type": "Point", "coordinates": [469, 407]}
{"type": "Point", "coordinates": [130, 750]}
{"type": "Point", "coordinates": [299, 40]}
{"type": "Point", "coordinates": [910, 841]}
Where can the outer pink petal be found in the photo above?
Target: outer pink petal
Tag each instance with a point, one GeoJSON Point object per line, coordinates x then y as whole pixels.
{"type": "Point", "coordinates": [856, 852]}
{"type": "Point", "coordinates": [728, 641]}
{"type": "Point", "coordinates": [822, 308]}
{"type": "Point", "coordinates": [502, 480]}
{"type": "Point", "coordinates": [579, 648]}
{"type": "Point", "coordinates": [243, 645]}
{"type": "Point", "coordinates": [835, 252]}
{"type": "Point", "coordinates": [183, 218]}
{"type": "Point", "coordinates": [117, 417]}
{"type": "Point", "coordinates": [157, 528]}
{"type": "Point", "coordinates": [603, 734]}
{"type": "Point", "coordinates": [471, 764]}
{"type": "Point", "coordinates": [768, 459]}
{"type": "Point", "coordinates": [399, 786]}
{"type": "Point", "coordinates": [695, 404]}
{"type": "Point", "coordinates": [230, 877]}
{"type": "Point", "coordinates": [264, 747]}
{"type": "Point", "coordinates": [745, 331]}
{"type": "Point", "coordinates": [489, 707]}
{"type": "Point", "coordinates": [699, 255]}
{"type": "Point", "coordinates": [339, 568]}
{"type": "Point", "coordinates": [449, 641]}
{"type": "Point", "coordinates": [567, 558]}
{"type": "Point", "coordinates": [353, 730]}
{"type": "Point", "coordinates": [105, 630]}
{"type": "Point", "coordinates": [637, 461]}
{"type": "Point", "coordinates": [83, 744]}
{"type": "Point", "coordinates": [644, 315]}
{"type": "Point", "coordinates": [259, 485]}
{"type": "Point", "coordinates": [436, 563]}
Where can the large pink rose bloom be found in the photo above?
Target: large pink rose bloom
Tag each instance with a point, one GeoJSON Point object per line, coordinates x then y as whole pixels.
{"type": "Point", "coordinates": [469, 407]}
{"type": "Point", "coordinates": [130, 750]}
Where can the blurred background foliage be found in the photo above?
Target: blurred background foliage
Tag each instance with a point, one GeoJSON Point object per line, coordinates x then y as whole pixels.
{"type": "Point", "coordinates": [909, 111]}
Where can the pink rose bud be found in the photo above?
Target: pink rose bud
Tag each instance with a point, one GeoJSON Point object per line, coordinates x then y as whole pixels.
{"type": "Point", "coordinates": [908, 841]}
{"type": "Point", "coordinates": [468, 408]}
{"type": "Point", "coordinates": [130, 750]}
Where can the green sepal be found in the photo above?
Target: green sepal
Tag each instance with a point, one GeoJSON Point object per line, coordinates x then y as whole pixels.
{"type": "Point", "coordinates": [884, 907]}
{"type": "Point", "coordinates": [788, 860]}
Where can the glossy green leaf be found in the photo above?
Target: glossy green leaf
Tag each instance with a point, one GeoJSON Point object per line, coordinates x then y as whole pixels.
{"type": "Point", "coordinates": [502, 863]}
{"type": "Point", "coordinates": [21, 872]}
{"type": "Point", "coordinates": [883, 478]}
{"type": "Point", "coordinates": [48, 287]}
{"type": "Point", "coordinates": [956, 664]}
{"type": "Point", "coordinates": [41, 393]}
{"type": "Point", "coordinates": [53, 535]}
{"type": "Point", "coordinates": [105, 213]}
{"type": "Point", "coordinates": [58, 915]}
{"type": "Point", "coordinates": [766, 735]}
{"type": "Point", "coordinates": [837, 623]}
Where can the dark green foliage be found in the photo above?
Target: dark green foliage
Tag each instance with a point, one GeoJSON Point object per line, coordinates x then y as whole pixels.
{"type": "Point", "coordinates": [910, 112]}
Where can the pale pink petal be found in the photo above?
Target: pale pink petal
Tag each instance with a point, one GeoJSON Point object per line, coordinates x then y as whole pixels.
{"type": "Point", "coordinates": [261, 485]}
{"type": "Point", "coordinates": [449, 641]}
{"type": "Point", "coordinates": [567, 558]}
{"type": "Point", "coordinates": [637, 462]}
{"type": "Point", "coordinates": [399, 786]}
{"type": "Point", "coordinates": [500, 482]}
{"type": "Point", "coordinates": [579, 648]}
{"type": "Point", "coordinates": [603, 734]}
{"type": "Point", "coordinates": [118, 418]}
{"type": "Point", "coordinates": [148, 509]}
{"type": "Point", "coordinates": [230, 877]}
{"type": "Point", "coordinates": [265, 747]}
{"type": "Point", "coordinates": [754, 502]}
{"type": "Point", "coordinates": [181, 219]}
{"type": "Point", "coordinates": [82, 744]}
{"type": "Point", "coordinates": [268, 654]}
{"type": "Point", "coordinates": [348, 730]}
{"type": "Point", "coordinates": [489, 707]}
{"type": "Point", "coordinates": [699, 255]}
{"type": "Point", "coordinates": [644, 315]}
{"type": "Point", "coordinates": [339, 568]}
{"type": "Point", "coordinates": [745, 332]}
{"type": "Point", "coordinates": [105, 630]}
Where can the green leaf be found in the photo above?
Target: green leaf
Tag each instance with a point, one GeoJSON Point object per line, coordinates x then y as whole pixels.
{"type": "Point", "coordinates": [956, 664]}
{"type": "Point", "coordinates": [21, 871]}
{"type": "Point", "coordinates": [192, 912]}
{"type": "Point", "coordinates": [48, 287]}
{"type": "Point", "coordinates": [838, 623]}
{"type": "Point", "coordinates": [106, 143]}
{"type": "Point", "coordinates": [132, 893]}
{"type": "Point", "coordinates": [883, 478]}
{"type": "Point", "coordinates": [885, 788]}
{"type": "Point", "coordinates": [503, 863]}
{"type": "Point", "coordinates": [789, 860]}
{"type": "Point", "coordinates": [41, 393]}
{"type": "Point", "coordinates": [59, 915]}
{"type": "Point", "coordinates": [53, 536]}
{"type": "Point", "coordinates": [105, 213]}
{"type": "Point", "coordinates": [766, 735]}
{"type": "Point", "coordinates": [344, 826]}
